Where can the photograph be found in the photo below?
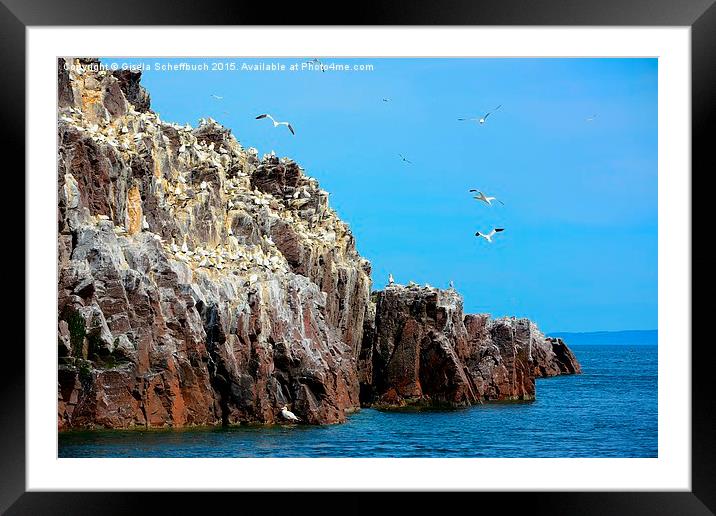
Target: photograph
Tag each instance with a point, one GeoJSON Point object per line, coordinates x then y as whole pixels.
{"type": "Point", "coordinates": [357, 257]}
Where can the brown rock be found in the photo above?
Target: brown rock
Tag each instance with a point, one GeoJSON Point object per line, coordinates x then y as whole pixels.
{"type": "Point", "coordinates": [134, 93]}
{"type": "Point", "coordinates": [134, 210]}
{"type": "Point", "coordinates": [419, 349]}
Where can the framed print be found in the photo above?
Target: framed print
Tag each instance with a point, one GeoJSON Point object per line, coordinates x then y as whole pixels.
{"type": "Point", "coordinates": [423, 257]}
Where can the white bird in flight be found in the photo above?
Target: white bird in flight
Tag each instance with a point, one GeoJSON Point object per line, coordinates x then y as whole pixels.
{"type": "Point", "coordinates": [386, 99]}
{"type": "Point", "coordinates": [288, 415]}
{"type": "Point", "coordinates": [487, 200]}
{"type": "Point", "coordinates": [275, 123]}
{"type": "Point", "coordinates": [405, 159]}
{"type": "Point", "coordinates": [481, 120]}
{"type": "Point", "coordinates": [318, 62]}
{"type": "Point", "coordinates": [591, 118]}
{"type": "Point", "coordinates": [217, 97]}
{"type": "Point", "coordinates": [488, 236]}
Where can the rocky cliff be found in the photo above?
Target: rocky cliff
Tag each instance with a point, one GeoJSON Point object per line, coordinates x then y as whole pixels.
{"type": "Point", "coordinates": [420, 349]}
{"type": "Point", "coordinates": [199, 284]}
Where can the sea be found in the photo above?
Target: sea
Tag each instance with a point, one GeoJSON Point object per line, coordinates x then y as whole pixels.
{"type": "Point", "coordinates": [610, 410]}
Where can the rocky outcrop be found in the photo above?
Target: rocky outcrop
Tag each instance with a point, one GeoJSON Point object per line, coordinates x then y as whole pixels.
{"type": "Point", "coordinates": [419, 349]}
{"type": "Point", "coordinates": [200, 285]}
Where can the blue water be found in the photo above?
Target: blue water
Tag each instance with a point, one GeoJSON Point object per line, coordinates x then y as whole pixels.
{"type": "Point", "coordinates": [608, 411]}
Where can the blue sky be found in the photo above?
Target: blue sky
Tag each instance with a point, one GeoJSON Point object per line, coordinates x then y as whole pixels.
{"type": "Point", "coordinates": [579, 250]}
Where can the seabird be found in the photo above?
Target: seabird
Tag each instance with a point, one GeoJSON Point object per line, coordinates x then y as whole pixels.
{"type": "Point", "coordinates": [275, 123]}
{"type": "Point", "coordinates": [489, 235]}
{"type": "Point", "coordinates": [145, 224]}
{"type": "Point", "coordinates": [287, 414]}
{"type": "Point", "coordinates": [203, 185]}
{"type": "Point", "coordinates": [405, 159]}
{"type": "Point", "coordinates": [451, 285]}
{"type": "Point", "coordinates": [481, 120]}
{"type": "Point", "coordinates": [487, 200]}
{"type": "Point", "coordinates": [318, 62]}
{"type": "Point", "coordinates": [217, 97]}
{"type": "Point", "coordinates": [390, 279]}
{"type": "Point", "coordinates": [591, 118]}
{"type": "Point", "coordinates": [385, 99]}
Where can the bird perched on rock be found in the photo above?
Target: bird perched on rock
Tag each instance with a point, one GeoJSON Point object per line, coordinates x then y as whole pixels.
{"type": "Point", "coordinates": [288, 415]}
{"type": "Point", "coordinates": [488, 236]}
{"type": "Point", "coordinates": [390, 279]}
{"type": "Point", "coordinates": [275, 123]}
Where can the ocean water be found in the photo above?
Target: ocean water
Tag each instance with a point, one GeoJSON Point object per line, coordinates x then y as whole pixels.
{"type": "Point", "coordinates": [608, 411]}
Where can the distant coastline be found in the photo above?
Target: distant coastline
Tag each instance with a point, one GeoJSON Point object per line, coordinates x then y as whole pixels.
{"type": "Point", "coordinates": [605, 338]}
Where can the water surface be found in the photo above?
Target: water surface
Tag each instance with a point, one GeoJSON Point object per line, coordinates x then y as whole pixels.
{"type": "Point", "coordinates": [608, 411]}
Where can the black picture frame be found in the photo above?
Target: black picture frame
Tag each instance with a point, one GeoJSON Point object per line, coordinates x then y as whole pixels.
{"type": "Point", "coordinates": [700, 15]}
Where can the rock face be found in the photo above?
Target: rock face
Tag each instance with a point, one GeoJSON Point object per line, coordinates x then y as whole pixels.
{"type": "Point", "coordinates": [201, 285]}
{"type": "Point", "coordinates": [198, 284]}
{"type": "Point", "coordinates": [419, 349]}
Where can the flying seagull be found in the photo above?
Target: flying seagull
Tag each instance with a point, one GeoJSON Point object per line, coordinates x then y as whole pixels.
{"type": "Point", "coordinates": [217, 97]}
{"type": "Point", "coordinates": [386, 99]}
{"type": "Point", "coordinates": [481, 120]}
{"type": "Point", "coordinates": [489, 235]}
{"type": "Point", "coordinates": [287, 414]}
{"type": "Point", "coordinates": [591, 118]}
{"type": "Point", "coordinates": [275, 123]}
{"type": "Point", "coordinates": [405, 159]}
{"type": "Point", "coordinates": [318, 62]}
{"type": "Point", "coordinates": [487, 200]}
